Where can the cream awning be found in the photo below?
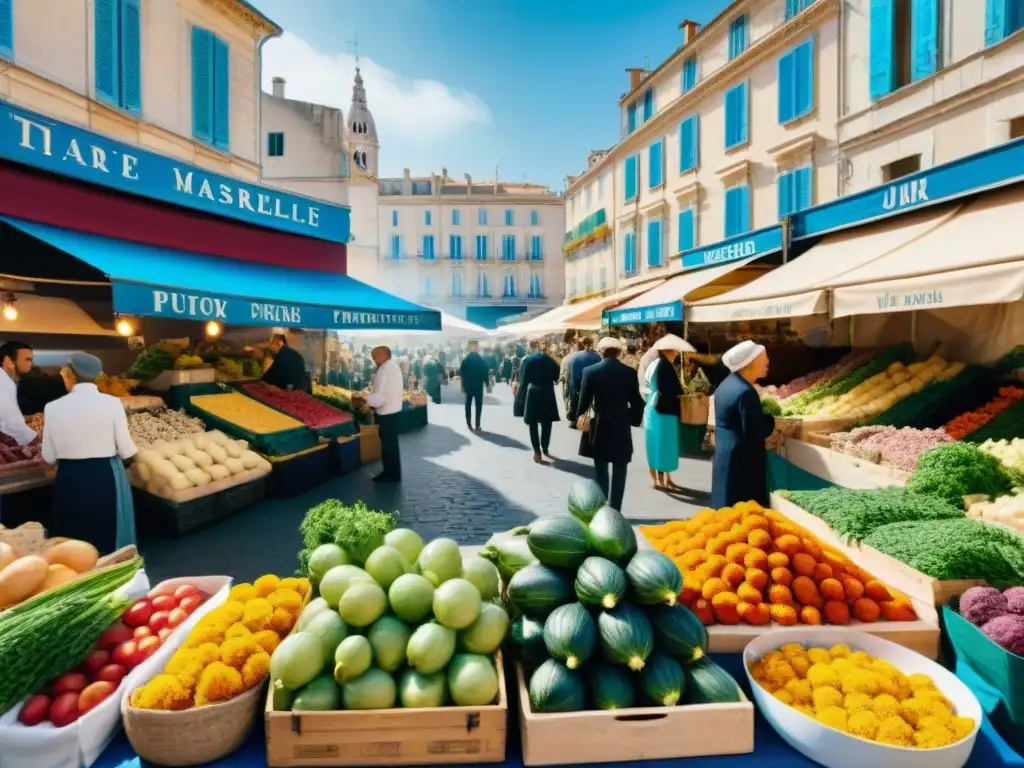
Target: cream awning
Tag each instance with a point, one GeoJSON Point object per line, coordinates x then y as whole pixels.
{"type": "Point", "coordinates": [549, 322]}
{"type": "Point", "coordinates": [800, 288]}
{"type": "Point", "coordinates": [589, 317]}
{"type": "Point", "coordinates": [976, 257]}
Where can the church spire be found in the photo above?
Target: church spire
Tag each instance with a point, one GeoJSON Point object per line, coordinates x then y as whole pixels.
{"type": "Point", "coordinates": [364, 144]}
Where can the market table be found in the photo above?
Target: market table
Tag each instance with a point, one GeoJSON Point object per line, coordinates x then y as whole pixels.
{"type": "Point", "coordinates": [770, 751]}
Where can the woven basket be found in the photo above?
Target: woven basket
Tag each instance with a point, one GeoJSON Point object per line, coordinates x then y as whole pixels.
{"type": "Point", "coordinates": [191, 736]}
{"type": "Point", "coordinates": [694, 409]}
{"type": "Point", "coordinates": [787, 426]}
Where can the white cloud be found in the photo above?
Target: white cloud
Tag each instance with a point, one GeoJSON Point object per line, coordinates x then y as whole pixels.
{"type": "Point", "coordinates": [416, 119]}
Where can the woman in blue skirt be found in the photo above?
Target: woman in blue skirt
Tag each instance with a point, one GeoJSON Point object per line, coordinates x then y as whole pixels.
{"type": "Point", "coordinates": [661, 419]}
{"type": "Point", "coordinates": [85, 433]}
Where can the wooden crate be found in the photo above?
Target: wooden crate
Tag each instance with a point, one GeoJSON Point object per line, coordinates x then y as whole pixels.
{"type": "Point", "coordinates": [641, 733]}
{"type": "Point", "coordinates": [431, 736]}
{"type": "Point", "coordinates": [821, 425]}
{"type": "Point", "coordinates": [839, 468]}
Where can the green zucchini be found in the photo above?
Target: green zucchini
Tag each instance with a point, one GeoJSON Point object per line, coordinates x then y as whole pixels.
{"type": "Point", "coordinates": [678, 632]}
{"type": "Point", "coordinates": [570, 634]}
{"type": "Point", "coordinates": [560, 542]}
{"type": "Point", "coordinates": [554, 688]}
{"type": "Point", "coordinates": [663, 680]}
{"type": "Point", "coordinates": [600, 582]}
{"type": "Point", "coordinates": [708, 683]}
{"type": "Point", "coordinates": [611, 536]}
{"type": "Point", "coordinates": [585, 498]}
{"type": "Point", "coordinates": [653, 578]}
{"type": "Point", "coordinates": [537, 590]}
{"type": "Point", "coordinates": [611, 686]}
{"type": "Point", "coordinates": [528, 637]}
{"type": "Point", "coordinates": [626, 636]}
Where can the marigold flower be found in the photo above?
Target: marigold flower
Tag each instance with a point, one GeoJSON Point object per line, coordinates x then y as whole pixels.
{"type": "Point", "coordinates": [163, 692]}
{"type": "Point", "coordinates": [301, 586]}
{"type": "Point", "coordinates": [257, 614]}
{"type": "Point", "coordinates": [268, 640]}
{"type": "Point", "coordinates": [255, 669]}
{"type": "Point", "coordinates": [825, 697]}
{"type": "Point", "coordinates": [860, 659]}
{"type": "Point", "coordinates": [800, 691]}
{"type": "Point", "coordinates": [841, 666]}
{"type": "Point", "coordinates": [219, 682]}
{"type": "Point", "coordinates": [804, 709]}
{"type": "Point", "coordinates": [784, 696]}
{"type": "Point", "coordinates": [202, 635]}
{"type": "Point", "coordinates": [919, 680]}
{"type": "Point", "coordinates": [912, 710]}
{"type": "Point", "coordinates": [243, 593]}
{"type": "Point", "coordinates": [181, 659]}
{"type": "Point", "coordinates": [237, 630]}
{"type": "Point", "coordinates": [884, 705]}
{"type": "Point", "coordinates": [821, 675]}
{"type": "Point", "coordinates": [236, 650]}
{"type": "Point", "coordinates": [801, 664]}
{"type": "Point", "coordinates": [281, 621]}
{"type": "Point", "coordinates": [757, 670]}
{"type": "Point", "coordinates": [789, 650]}
{"type": "Point", "coordinates": [833, 717]}
{"type": "Point", "coordinates": [288, 599]}
{"type": "Point", "coordinates": [819, 656]}
{"type": "Point", "coordinates": [861, 681]}
{"type": "Point", "coordinates": [855, 702]}
{"type": "Point", "coordinates": [863, 723]}
{"type": "Point", "coordinates": [839, 650]}
{"type": "Point", "coordinates": [266, 584]}
{"type": "Point", "coordinates": [932, 738]}
{"type": "Point", "coordinates": [893, 730]}
{"type": "Point", "coordinates": [208, 653]}
{"type": "Point", "coordinates": [781, 672]}
{"type": "Point", "coordinates": [961, 726]}
{"type": "Point", "coordinates": [189, 676]}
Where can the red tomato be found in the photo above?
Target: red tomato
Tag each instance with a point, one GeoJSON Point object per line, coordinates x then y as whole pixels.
{"type": "Point", "coordinates": [112, 673]}
{"type": "Point", "coordinates": [94, 694]}
{"type": "Point", "coordinates": [95, 661]}
{"type": "Point", "coordinates": [164, 633]}
{"type": "Point", "coordinates": [141, 632]}
{"type": "Point", "coordinates": [158, 620]}
{"type": "Point", "coordinates": [35, 710]}
{"type": "Point", "coordinates": [64, 709]}
{"type": "Point", "coordinates": [70, 681]}
{"type": "Point", "coordinates": [164, 603]}
{"type": "Point", "coordinates": [184, 591]}
{"type": "Point", "coordinates": [176, 617]}
{"type": "Point", "coordinates": [113, 637]}
{"type": "Point", "coordinates": [147, 647]}
{"type": "Point", "coordinates": [190, 603]}
{"type": "Point", "coordinates": [138, 615]}
{"type": "Point", "coordinates": [126, 654]}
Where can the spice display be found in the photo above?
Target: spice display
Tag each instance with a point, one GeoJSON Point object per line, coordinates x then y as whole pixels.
{"type": "Point", "coordinates": [228, 652]}
{"type": "Point", "coordinates": [1000, 615]}
{"type": "Point", "coordinates": [167, 468]}
{"type": "Point", "coordinates": [954, 549]}
{"type": "Point", "coordinates": [850, 361]}
{"type": "Point", "coordinates": [150, 426]}
{"type": "Point", "coordinates": [753, 565]}
{"type": "Point", "coordinates": [246, 413]}
{"type": "Point", "coordinates": [306, 408]}
{"type": "Point", "coordinates": [825, 393]}
{"type": "Point", "coordinates": [950, 392]}
{"type": "Point", "coordinates": [856, 513]}
{"type": "Point", "coordinates": [956, 470]}
{"type": "Point", "coordinates": [899, 448]}
{"type": "Point", "coordinates": [864, 696]}
{"type": "Point", "coordinates": [967, 423]}
{"type": "Point", "coordinates": [151, 363]}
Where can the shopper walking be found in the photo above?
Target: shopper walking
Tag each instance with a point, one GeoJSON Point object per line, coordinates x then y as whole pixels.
{"type": "Point", "coordinates": [661, 419]}
{"type": "Point", "coordinates": [433, 376]}
{"type": "Point", "coordinates": [474, 373]}
{"type": "Point", "coordinates": [740, 467]}
{"type": "Point", "coordinates": [610, 400]}
{"type": "Point", "coordinates": [535, 399]}
{"type": "Point", "coordinates": [583, 359]}
{"type": "Point", "coordinates": [385, 397]}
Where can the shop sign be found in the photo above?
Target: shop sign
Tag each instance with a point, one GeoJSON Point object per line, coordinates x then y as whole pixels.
{"type": "Point", "coordinates": [910, 300]}
{"type": "Point", "coordinates": [670, 312]}
{"type": "Point", "coordinates": [42, 142]}
{"type": "Point", "coordinates": [154, 301]}
{"type": "Point", "coordinates": [745, 246]}
{"type": "Point", "coordinates": [969, 175]}
{"type": "Point", "coordinates": [768, 311]}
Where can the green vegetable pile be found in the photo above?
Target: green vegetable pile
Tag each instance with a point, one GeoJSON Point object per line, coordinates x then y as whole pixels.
{"type": "Point", "coordinates": [843, 384]}
{"type": "Point", "coordinates": [955, 470]}
{"type": "Point", "coordinates": [771, 406]}
{"type": "Point", "coordinates": [1006, 426]}
{"type": "Point", "coordinates": [150, 364]}
{"type": "Point", "coordinates": [955, 549]}
{"type": "Point", "coordinates": [854, 514]}
{"type": "Point", "coordinates": [57, 630]}
{"type": "Point", "coordinates": [356, 528]}
{"type": "Point", "coordinates": [937, 403]}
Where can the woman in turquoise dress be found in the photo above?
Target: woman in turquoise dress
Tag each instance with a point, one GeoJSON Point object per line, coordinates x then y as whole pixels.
{"type": "Point", "coordinates": [661, 419]}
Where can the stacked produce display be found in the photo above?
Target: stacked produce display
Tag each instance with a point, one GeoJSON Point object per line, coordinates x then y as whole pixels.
{"type": "Point", "coordinates": [1000, 615]}
{"type": "Point", "coordinates": [23, 576]}
{"type": "Point", "coordinates": [307, 409]}
{"type": "Point", "coordinates": [151, 426]}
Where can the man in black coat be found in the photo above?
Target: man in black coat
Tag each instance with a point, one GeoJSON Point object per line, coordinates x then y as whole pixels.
{"type": "Point", "coordinates": [535, 400]}
{"type": "Point", "coordinates": [611, 388]}
{"type": "Point", "coordinates": [473, 373]}
{"type": "Point", "coordinates": [288, 371]}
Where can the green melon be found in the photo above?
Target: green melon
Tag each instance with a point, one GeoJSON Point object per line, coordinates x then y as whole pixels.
{"type": "Point", "coordinates": [570, 634]}
{"type": "Point", "coordinates": [662, 680]}
{"type": "Point", "coordinates": [585, 498]}
{"type": "Point", "coordinates": [554, 688]}
{"type": "Point", "coordinates": [653, 578]}
{"type": "Point", "coordinates": [600, 582]}
{"type": "Point", "coordinates": [559, 542]}
{"type": "Point", "coordinates": [611, 536]}
{"type": "Point", "coordinates": [626, 636]}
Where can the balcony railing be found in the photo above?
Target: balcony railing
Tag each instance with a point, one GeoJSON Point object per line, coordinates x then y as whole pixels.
{"type": "Point", "coordinates": [389, 256]}
{"type": "Point", "coordinates": [455, 257]}
{"type": "Point", "coordinates": [430, 259]}
{"type": "Point", "coordinates": [535, 257]}
{"type": "Point", "coordinates": [534, 297]}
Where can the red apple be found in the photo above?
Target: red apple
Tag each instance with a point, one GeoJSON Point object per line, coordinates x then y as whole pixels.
{"type": "Point", "coordinates": [96, 661]}
{"type": "Point", "coordinates": [190, 603]}
{"type": "Point", "coordinates": [126, 654]}
{"type": "Point", "coordinates": [184, 591]}
{"type": "Point", "coordinates": [112, 673]}
{"type": "Point", "coordinates": [147, 647]}
{"type": "Point", "coordinates": [176, 617]}
{"type": "Point", "coordinates": [164, 603]}
{"type": "Point", "coordinates": [159, 620]}
{"type": "Point", "coordinates": [138, 615]}
{"type": "Point", "coordinates": [113, 637]}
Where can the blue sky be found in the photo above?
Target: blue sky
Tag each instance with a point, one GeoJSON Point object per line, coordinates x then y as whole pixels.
{"type": "Point", "coordinates": [526, 85]}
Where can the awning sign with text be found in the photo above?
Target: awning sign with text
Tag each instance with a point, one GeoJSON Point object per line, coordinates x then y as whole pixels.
{"type": "Point", "coordinates": [1000, 165]}
{"type": "Point", "coordinates": [670, 312]}
{"type": "Point", "coordinates": [759, 243]}
{"type": "Point", "coordinates": [175, 303]}
{"type": "Point", "coordinates": [42, 142]}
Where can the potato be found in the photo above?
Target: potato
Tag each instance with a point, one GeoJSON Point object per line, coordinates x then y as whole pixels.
{"type": "Point", "coordinates": [79, 556]}
{"type": "Point", "coordinates": [232, 450]}
{"type": "Point", "coordinates": [56, 575]}
{"type": "Point", "coordinates": [243, 444]}
{"type": "Point", "coordinates": [200, 441]}
{"type": "Point", "coordinates": [217, 453]}
{"type": "Point", "coordinates": [235, 466]}
{"type": "Point", "coordinates": [183, 463]}
{"type": "Point", "coordinates": [218, 437]}
{"type": "Point", "coordinates": [180, 483]}
{"type": "Point", "coordinates": [166, 450]}
{"type": "Point", "coordinates": [166, 470]}
{"type": "Point", "coordinates": [201, 458]}
{"type": "Point", "coordinates": [219, 472]}
{"type": "Point", "coordinates": [250, 460]}
{"type": "Point", "coordinates": [150, 457]}
{"type": "Point", "coordinates": [197, 477]}
{"type": "Point", "coordinates": [142, 471]}
{"type": "Point", "coordinates": [264, 465]}
{"type": "Point", "coordinates": [22, 579]}
{"type": "Point", "coordinates": [7, 555]}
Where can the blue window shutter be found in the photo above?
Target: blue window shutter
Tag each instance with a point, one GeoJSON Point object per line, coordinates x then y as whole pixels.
{"type": "Point", "coordinates": [687, 161]}
{"type": "Point", "coordinates": [689, 74]}
{"type": "Point", "coordinates": [743, 216]}
{"type": "Point", "coordinates": [7, 29]}
{"type": "Point", "coordinates": [534, 218]}
{"type": "Point", "coordinates": [996, 19]}
{"type": "Point", "coordinates": [924, 52]}
{"type": "Point", "coordinates": [394, 218]}
{"type": "Point", "coordinates": [654, 173]}
{"type": "Point", "coordinates": [630, 118]}
{"type": "Point", "coordinates": [512, 246]}
{"type": "Point", "coordinates": [730, 118]}
{"type": "Point", "coordinates": [792, 8]}
{"type": "Point", "coordinates": [131, 55]}
{"type": "Point", "coordinates": [648, 104]}
{"type": "Point", "coordinates": [803, 98]}
{"type": "Point", "coordinates": [744, 106]}
{"type": "Point", "coordinates": [785, 185]}
{"type": "Point", "coordinates": [630, 173]}
{"type": "Point", "coordinates": [451, 246]}
{"type": "Point", "coordinates": [882, 48]}
{"type": "Point", "coordinates": [686, 233]}
{"type": "Point", "coordinates": [654, 243]}
{"type": "Point", "coordinates": [787, 87]}
{"type": "Point", "coordinates": [804, 190]}
{"type": "Point", "coordinates": [202, 76]}
{"type": "Point", "coordinates": [221, 94]}
{"type": "Point", "coordinates": [105, 57]}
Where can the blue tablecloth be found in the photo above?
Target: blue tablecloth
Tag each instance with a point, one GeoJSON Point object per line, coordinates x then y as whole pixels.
{"type": "Point", "coordinates": [770, 751]}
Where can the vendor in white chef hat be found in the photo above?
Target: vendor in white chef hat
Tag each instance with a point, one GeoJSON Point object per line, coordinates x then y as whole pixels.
{"type": "Point", "coordinates": [85, 433]}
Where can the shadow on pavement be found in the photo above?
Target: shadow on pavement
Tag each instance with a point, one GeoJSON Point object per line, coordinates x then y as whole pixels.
{"type": "Point", "coordinates": [502, 441]}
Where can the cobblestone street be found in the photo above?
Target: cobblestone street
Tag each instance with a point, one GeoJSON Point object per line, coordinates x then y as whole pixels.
{"type": "Point", "coordinates": [456, 483]}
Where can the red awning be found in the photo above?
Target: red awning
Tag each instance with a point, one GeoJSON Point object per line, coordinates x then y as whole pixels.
{"type": "Point", "coordinates": [53, 200]}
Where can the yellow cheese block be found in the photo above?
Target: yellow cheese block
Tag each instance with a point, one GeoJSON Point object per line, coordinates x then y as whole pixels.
{"type": "Point", "coordinates": [246, 413]}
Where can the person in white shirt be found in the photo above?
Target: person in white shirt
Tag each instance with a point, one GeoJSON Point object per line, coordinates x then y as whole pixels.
{"type": "Point", "coordinates": [385, 397]}
{"type": "Point", "coordinates": [85, 433]}
{"type": "Point", "coordinates": [15, 361]}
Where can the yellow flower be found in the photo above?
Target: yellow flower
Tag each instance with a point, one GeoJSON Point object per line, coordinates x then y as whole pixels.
{"type": "Point", "coordinates": [257, 614]}
{"type": "Point", "coordinates": [302, 586]}
{"type": "Point", "coordinates": [961, 726]}
{"type": "Point", "coordinates": [932, 738]}
{"type": "Point", "coordinates": [203, 635]}
{"type": "Point", "coordinates": [912, 710]}
{"type": "Point", "coordinates": [789, 650]}
{"type": "Point", "coordinates": [237, 630]}
{"type": "Point", "coordinates": [833, 717]}
{"type": "Point", "coordinates": [919, 681]}
{"type": "Point", "coordinates": [243, 593]}
{"type": "Point", "coordinates": [818, 656]}
{"type": "Point", "coordinates": [225, 615]}
{"type": "Point", "coordinates": [821, 675]}
{"type": "Point", "coordinates": [826, 697]}
{"type": "Point", "coordinates": [266, 584]}
{"type": "Point", "coordinates": [784, 696]}
{"type": "Point", "coordinates": [288, 599]}
{"type": "Point", "coordinates": [255, 670]}
{"type": "Point", "coordinates": [164, 692]}
{"type": "Point", "coordinates": [235, 651]}
{"type": "Point", "coordinates": [884, 705]}
{"type": "Point", "coordinates": [860, 659]}
{"type": "Point", "coordinates": [863, 723]}
{"type": "Point", "coordinates": [189, 676]}
{"type": "Point", "coordinates": [800, 690]}
{"type": "Point", "coordinates": [268, 640]}
{"type": "Point", "coordinates": [861, 681]}
{"type": "Point", "coordinates": [208, 653]}
{"type": "Point", "coordinates": [219, 682]}
{"type": "Point", "coordinates": [842, 666]}
{"type": "Point", "coordinates": [893, 730]}
{"type": "Point", "coordinates": [855, 702]}
{"type": "Point", "coordinates": [180, 661]}
{"type": "Point", "coordinates": [281, 621]}
{"type": "Point", "coordinates": [800, 664]}
{"type": "Point", "coordinates": [839, 650]}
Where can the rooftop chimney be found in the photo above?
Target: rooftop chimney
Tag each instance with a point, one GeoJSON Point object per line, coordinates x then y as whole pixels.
{"type": "Point", "coordinates": [406, 173]}
{"type": "Point", "coordinates": [444, 174]}
{"type": "Point", "coordinates": [636, 76]}
{"type": "Point", "coordinates": [690, 29]}
{"type": "Point", "coordinates": [278, 87]}
{"type": "Point", "coordinates": [469, 184]}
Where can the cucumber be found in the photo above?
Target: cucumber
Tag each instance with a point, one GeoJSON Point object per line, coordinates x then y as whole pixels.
{"type": "Point", "coordinates": [560, 542]}
{"type": "Point", "coordinates": [663, 680]}
{"type": "Point", "coordinates": [708, 683]}
{"type": "Point", "coordinates": [611, 686]}
{"type": "Point", "coordinates": [611, 535]}
{"type": "Point", "coordinates": [678, 632]}
{"type": "Point", "coordinates": [554, 688]}
{"type": "Point", "coordinates": [600, 582]}
{"type": "Point", "coordinates": [653, 578]}
{"type": "Point", "coordinates": [626, 636]}
{"type": "Point", "coordinates": [537, 590]}
{"type": "Point", "coordinates": [570, 634]}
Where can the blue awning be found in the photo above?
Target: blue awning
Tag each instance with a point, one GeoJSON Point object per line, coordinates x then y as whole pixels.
{"type": "Point", "coordinates": [152, 281]}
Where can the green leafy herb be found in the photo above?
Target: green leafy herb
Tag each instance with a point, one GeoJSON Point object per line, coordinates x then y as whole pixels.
{"type": "Point", "coordinates": [356, 528]}
{"type": "Point", "coordinates": [771, 406]}
{"type": "Point", "coordinates": [955, 470]}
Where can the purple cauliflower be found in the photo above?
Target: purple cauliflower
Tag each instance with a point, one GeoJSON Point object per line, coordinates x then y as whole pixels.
{"type": "Point", "coordinates": [1007, 631]}
{"type": "Point", "coordinates": [1015, 600]}
{"type": "Point", "coordinates": [979, 605]}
